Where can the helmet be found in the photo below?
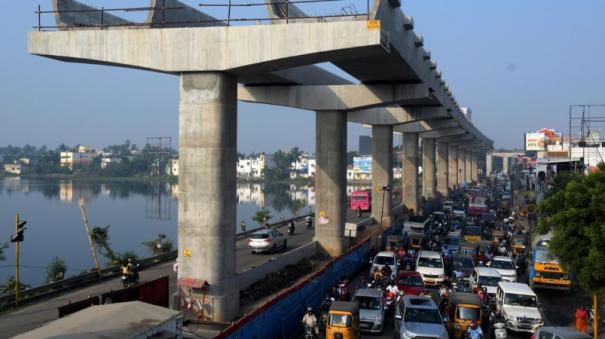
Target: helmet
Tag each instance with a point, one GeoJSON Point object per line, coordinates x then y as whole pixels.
{"type": "Point", "coordinates": [309, 310]}
{"type": "Point", "coordinates": [129, 260]}
{"type": "Point", "coordinates": [474, 324]}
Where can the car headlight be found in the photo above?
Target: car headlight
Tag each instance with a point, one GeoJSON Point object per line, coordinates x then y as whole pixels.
{"type": "Point", "coordinates": [512, 318]}
{"type": "Point", "coordinates": [407, 335]}
{"type": "Point", "coordinates": [378, 319]}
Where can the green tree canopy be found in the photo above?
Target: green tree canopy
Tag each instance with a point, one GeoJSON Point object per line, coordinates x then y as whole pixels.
{"type": "Point", "coordinates": [56, 270]}
{"type": "Point", "coordinates": [575, 214]}
{"type": "Point", "coordinates": [9, 286]}
{"type": "Point", "coordinates": [261, 216]}
{"type": "Point", "coordinates": [159, 245]}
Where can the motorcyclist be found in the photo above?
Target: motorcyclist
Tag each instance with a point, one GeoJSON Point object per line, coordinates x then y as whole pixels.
{"type": "Point", "coordinates": [392, 288]}
{"type": "Point", "coordinates": [474, 331]}
{"type": "Point", "coordinates": [309, 221]}
{"type": "Point", "coordinates": [310, 320]}
{"type": "Point", "coordinates": [425, 293]}
{"type": "Point", "coordinates": [128, 268]}
{"type": "Point", "coordinates": [477, 288]}
{"type": "Point", "coordinates": [386, 271]}
{"type": "Point", "coordinates": [376, 274]}
{"type": "Point", "coordinates": [291, 227]}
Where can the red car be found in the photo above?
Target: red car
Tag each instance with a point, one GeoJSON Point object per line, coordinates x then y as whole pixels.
{"type": "Point", "coordinates": [410, 282]}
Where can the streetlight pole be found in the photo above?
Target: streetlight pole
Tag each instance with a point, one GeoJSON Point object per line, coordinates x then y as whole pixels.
{"type": "Point", "coordinates": [384, 190]}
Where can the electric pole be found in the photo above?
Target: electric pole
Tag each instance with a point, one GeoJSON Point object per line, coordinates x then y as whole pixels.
{"type": "Point", "coordinates": [17, 238]}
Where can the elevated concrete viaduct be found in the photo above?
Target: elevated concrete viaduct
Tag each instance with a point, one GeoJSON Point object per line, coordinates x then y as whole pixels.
{"type": "Point", "coordinates": [399, 85]}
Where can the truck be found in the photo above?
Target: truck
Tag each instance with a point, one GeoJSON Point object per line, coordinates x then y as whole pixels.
{"type": "Point", "coordinates": [415, 224]}
{"type": "Point", "coordinates": [545, 271]}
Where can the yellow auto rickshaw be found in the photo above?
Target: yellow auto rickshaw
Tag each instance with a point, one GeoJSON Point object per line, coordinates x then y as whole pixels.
{"type": "Point", "coordinates": [519, 243]}
{"type": "Point", "coordinates": [462, 310]}
{"type": "Point", "coordinates": [416, 240]}
{"type": "Point", "coordinates": [393, 242]}
{"type": "Point", "coordinates": [343, 321]}
{"type": "Point", "coordinates": [472, 233]}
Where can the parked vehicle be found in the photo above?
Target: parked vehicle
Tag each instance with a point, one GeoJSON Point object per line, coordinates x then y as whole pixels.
{"type": "Point", "coordinates": [518, 305]}
{"type": "Point", "coordinates": [419, 317]}
{"type": "Point", "coordinates": [371, 309]}
{"type": "Point", "coordinates": [430, 266]}
{"type": "Point", "coordinates": [410, 282]}
{"type": "Point", "coordinates": [343, 320]}
{"type": "Point", "coordinates": [506, 267]}
{"type": "Point", "coordinates": [361, 200]}
{"type": "Point", "coordinates": [267, 241]}
{"type": "Point", "coordinates": [462, 309]}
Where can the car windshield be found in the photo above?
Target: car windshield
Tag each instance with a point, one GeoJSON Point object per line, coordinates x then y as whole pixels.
{"type": "Point", "coordinates": [410, 280]}
{"type": "Point", "coordinates": [422, 315]}
{"type": "Point", "coordinates": [340, 320]}
{"type": "Point", "coordinates": [473, 230]}
{"type": "Point", "coordinates": [467, 313]}
{"type": "Point", "coordinates": [380, 260]}
{"type": "Point", "coordinates": [463, 262]}
{"type": "Point", "coordinates": [520, 300]}
{"type": "Point", "coordinates": [489, 281]}
{"type": "Point", "coordinates": [259, 236]}
{"type": "Point", "coordinates": [367, 303]}
{"type": "Point", "coordinates": [452, 241]}
{"type": "Point", "coordinates": [519, 241]}
{"type": "Point", "coordinates": [502, 264]}
{"type": "Point", "coordinates": [430, 262]}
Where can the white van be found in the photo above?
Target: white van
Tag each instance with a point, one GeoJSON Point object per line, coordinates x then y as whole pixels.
{"type": "Point", "coordinates": [506, 267]}
{"type": "Point", "coordinates": [430, 266]}
{"type": "Point", "coordinates": [487, 277]}
{"type": "Point", "coordinates": [518, 304]}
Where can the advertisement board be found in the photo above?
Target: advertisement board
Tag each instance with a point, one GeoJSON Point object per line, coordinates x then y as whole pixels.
{"type": "Point", "coordinates": [364, 164]}
{"type": "Point", "coordinates": [534, 141]}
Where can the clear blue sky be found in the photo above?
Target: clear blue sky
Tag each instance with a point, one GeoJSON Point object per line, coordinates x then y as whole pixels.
{"type": "Point", "coordinates": [519, 64]}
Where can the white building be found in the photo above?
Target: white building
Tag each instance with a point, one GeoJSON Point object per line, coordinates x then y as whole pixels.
{"type": "Point", "coordinates": [83, 157]}
{"type": "Point", "coordinates": [304, 167]}
{"type": "Point", "coordinates": [467, 112]}
{"type": "Point", "coordinates": [12, 168]}
{"type": "Point", "coordinates": [172, 167]}
{"type": "Point", "coordinates": [106, 161]}
{"type": "Point", "coordinates": [311, 168]}
{"type": "Point", "coordinates": [251, 167]}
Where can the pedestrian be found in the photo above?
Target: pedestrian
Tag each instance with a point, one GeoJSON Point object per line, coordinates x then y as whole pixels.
{"type": "Point", "coordinates": [242, 226]}
{"type": "Point", "coordinates": [581, 316]}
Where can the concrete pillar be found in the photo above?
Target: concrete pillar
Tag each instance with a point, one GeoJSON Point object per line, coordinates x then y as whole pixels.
{"type": "Point", "coordinates": [467, 167]}
{"type": "Point", "coordinates": [505, 161]}
{"type": "Point", "coordinates": [207, 191]}
{"type": "Point", "coordinates": [428, 168]}
{"type": "Point", "coordinates": [331, 180]}
{"type": "Point", "coordinates": [474, 167]}
{"type": "Point", "coordinates": [382, 174]}
{"type": "Point", "coordinates": [442, 168]}
{"type": "Point", "coordinates": [453, 166]}
{"type": "Point", "coordinates": [461, 163]}
{"type": "Point", "coordinates": [410, 171]}
{"type": "Point", "coordinates": [488, 164]}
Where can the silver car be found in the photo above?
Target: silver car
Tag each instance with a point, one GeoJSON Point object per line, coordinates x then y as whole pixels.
{"type": "Point", "coordinates": [267, 240]}
{"type": "Point", "coordinates": [371, 309]}
{"type": "Point", "coordinates": [419, 317]}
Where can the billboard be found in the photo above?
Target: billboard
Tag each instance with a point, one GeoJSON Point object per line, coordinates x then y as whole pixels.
{"type": "Point", "coordinates": [534, 141]}
{"type": "Point", "coordinates": [363, 164]}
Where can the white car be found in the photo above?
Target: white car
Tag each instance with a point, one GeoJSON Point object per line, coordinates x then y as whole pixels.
{"type": "Point", "coordinates": [506, 267]}
{"type": "Point", "coordinates": [386, 258]}
{"type": "Point", "coordinates": [487, 277]}
{"type": "Point", "coordinates": [430, 266]}
{"type": "Point", "coordinates": [267, 241]}
{"type": "Point", "coordinates": [518, 304]}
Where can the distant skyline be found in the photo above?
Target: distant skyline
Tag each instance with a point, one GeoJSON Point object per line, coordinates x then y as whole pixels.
{"type": "Point", "coordinates": [517, 64]}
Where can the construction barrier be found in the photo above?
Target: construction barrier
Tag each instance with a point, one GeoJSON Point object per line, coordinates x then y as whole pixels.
{"type": "Point", "coordinates": [78, 306]}
{"type": "Point", "coordinates": [281, 316]}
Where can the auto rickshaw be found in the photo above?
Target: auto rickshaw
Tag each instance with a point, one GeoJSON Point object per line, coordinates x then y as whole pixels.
{"type": "Point", "coordinates": [343, 321]}
{"type": "Point", "coordinates": [519, 243]}
{"type": "Point", "coordinates": [461, 311]}
{"type": "Point", "coordinates": [467, 249]}
{"type": "Point", "coordinates": [472, 233]}
{"type": "Point", "coordinates": [393, 242]}
{"type": "Point", "coordinates": [416, 240]}
{"type": "Point", "coordinates": [497, 236]}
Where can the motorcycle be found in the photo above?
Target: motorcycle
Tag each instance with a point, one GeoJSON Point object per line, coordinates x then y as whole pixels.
{"type": "Point", "coordinates": [291, 229]}
{"type": "Point", "coordinates": [310, 333]}
{"type": "Point", "coordinates": [129, 280]}
{"type": "Point", "coordinates": [342, 290]}
{"type": "Point", "coordinates": [500, 330]}
{"type": "Point", "coordinates": [390, 300]}
{"type": "Point", "coordinates": [309, 224]}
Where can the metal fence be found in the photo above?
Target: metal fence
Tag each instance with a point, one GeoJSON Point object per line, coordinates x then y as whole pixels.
{"type": "Point", "coordinates": [286, 12]}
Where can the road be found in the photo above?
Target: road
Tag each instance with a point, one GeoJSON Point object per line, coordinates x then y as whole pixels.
{"type": "Point", "coordinates": [37, 314]}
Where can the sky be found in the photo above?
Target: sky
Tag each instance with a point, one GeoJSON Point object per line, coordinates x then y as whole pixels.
{"type": "Point", "coordinates": [518, 64]}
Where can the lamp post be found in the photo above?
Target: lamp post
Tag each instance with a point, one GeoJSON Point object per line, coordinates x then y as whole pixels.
{"type": "Point", "coordinates": [384, 190]}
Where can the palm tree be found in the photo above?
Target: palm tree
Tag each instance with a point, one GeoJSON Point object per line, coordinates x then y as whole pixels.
{"type": "Point", "coordinates": [261, 217]}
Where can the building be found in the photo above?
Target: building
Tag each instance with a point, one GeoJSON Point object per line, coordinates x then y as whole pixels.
{"type": "Point", "coordinates": [252, 167]}
{"type": "Point", "coordinates": [468, 113]}
{"type": "Point", "coordinates": [26, 161]}
{"type": "Point", "coordinates": [361, 169]}
{"type": "Point", "coordinates": [301, 167]}
{"type": "Point", "coordinates": [106, 161]}
{"type": "Point", "coordinates": [172, 167]}
{"type": "Point", "coordinates": [311, 168]}
{"type": "Point", "coordinates": [365, 145]}
{"type": "Point", "coordinates": [13, 168]}
{"type": "Point", "coordinates": [83, 157]}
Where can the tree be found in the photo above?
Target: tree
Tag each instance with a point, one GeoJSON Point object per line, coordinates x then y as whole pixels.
{"type": "Point", "coordinates": [9, 286]}
{"type": "Point", "coordinates": [2, 248]}
{"type": "Point", "coordinates": [160, 245]}
{"type": "Point", "coordinates": [575, 214]}
{"type": "Point", "coordinates": [262, 216]}
{"type": "Point", "coordinates": [100, 238]}
{"type": "Point", "coordinates": [56, 270]}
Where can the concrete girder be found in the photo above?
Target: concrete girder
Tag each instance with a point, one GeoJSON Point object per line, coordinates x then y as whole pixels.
{"type": "Point", "coordinates": [396, 115]}
{"type": "Point", "coordinates": [336, 97]}
{"type": "Point", "coordinates": [442, 133]}
{"type": "Point", "coordinates": [177, 50]}
{"type": "Point", "coordinates": [458, 140]}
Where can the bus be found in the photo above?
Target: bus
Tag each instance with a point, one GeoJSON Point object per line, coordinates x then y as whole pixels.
{"type": "Point", "coordinates": [545, 271]}
{"type": "Point", "coordinates": [361, 200]}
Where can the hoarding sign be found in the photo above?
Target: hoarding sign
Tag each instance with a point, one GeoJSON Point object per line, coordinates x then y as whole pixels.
{"type": "Point", "coordinates": [364, 164]}
{"type": "Point", "coordinates": [534, 141]}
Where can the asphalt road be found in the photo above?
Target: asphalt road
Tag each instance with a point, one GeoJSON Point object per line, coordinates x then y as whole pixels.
{"type": "Point", "coordinates": [37, 314]}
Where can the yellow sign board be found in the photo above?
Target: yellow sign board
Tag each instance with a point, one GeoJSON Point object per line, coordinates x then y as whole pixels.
{"type": "Point", "coordinates": [186, 253]}
{"type": "Point", "coordinates": [373, 24]}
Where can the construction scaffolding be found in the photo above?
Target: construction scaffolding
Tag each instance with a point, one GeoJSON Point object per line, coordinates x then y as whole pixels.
{"type": "Point", "coordinates": [586, 133]}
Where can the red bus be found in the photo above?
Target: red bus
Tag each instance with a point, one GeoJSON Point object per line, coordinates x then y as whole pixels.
{"type": "Point", "coordinates": [361, 200]}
